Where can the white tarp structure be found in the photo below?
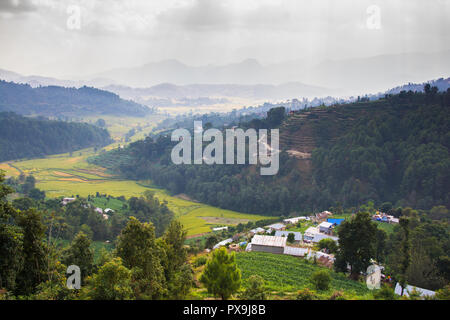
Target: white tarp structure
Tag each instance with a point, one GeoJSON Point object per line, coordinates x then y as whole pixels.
{"type": "Point", "coordinates": [409, 289]}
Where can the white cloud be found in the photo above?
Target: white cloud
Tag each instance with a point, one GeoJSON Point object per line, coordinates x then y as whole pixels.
{"type": "Point", "coordinates": [117, 33]}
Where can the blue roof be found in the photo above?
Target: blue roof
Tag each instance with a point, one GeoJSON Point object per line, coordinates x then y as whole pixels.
{"type": "Point", "coordinates": [336, 221]}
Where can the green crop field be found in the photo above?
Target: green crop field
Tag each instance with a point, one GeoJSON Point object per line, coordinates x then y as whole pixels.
{"type": "Point", "coordinates": [284, 273]}
{"type": "Point", "coordinates": [70, 175]}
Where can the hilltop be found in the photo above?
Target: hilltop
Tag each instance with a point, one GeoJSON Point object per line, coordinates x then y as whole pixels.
{"type": "Point", "coordinates": [55, 101]}
{"type": "Point", "coordinates": [393, 149]}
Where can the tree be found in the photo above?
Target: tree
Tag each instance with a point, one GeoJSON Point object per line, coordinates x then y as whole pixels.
{"type": "Point", "coordinates": [34, 251]}
{"type": "Point", "coordinates": [328, 244]}
{"type": "Point", "coordinates": [80, 254]}
{"type": "Point", "coordinates": [221, 276]}
{"type": "Point", "coordinates": [36, 194]}
{"type": "Point", "coordinates": [112, 282]}
{"type": "Point", "coordinates": [137, 247]}
{"type": "Point", "coordinates": [357, 239]}
{"type": "Point", "coordinates": [11, 241]}
{"type": "Point", "coordinates": [405, 252]}
{"type": "Point", "coordinates": [179, 275]}
{"type": "Point", "coordinates": [291, 237]}
{"type": "Point", "coordinates": [256, 289]}
{"type": "Point", "coordinates": [321, 280]}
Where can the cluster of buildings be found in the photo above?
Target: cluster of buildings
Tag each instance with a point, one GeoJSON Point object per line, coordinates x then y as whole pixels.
{"type": "Point", "coordinates": [383, 217]}
{"type": "Point", "coordinates": [104, 213]}
{"type": "Point", "coordinates": [278, 245]}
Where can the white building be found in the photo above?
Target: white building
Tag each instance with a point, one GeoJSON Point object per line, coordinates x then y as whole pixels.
{"type": "Point", "coordinates": [223, 243]}
{"type": "Point", "coordinates": [409, 289]}
{"type": "Point", "coordinates": [325, 227]}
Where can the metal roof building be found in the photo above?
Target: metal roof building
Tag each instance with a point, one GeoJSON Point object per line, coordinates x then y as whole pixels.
{"type": "Point", "coordinates": [276, 226]}
{"type": "Point", "coordinates": [270, 244]}
{"type": "Point", "coordinates": [294, 251]}
{"type": "Point", "coordinates": [297, 235]}
{"type": "Point", "coordinates": [223, 243]}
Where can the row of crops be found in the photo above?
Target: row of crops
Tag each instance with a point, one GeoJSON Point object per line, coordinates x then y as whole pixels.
{"type": "Point", "coordinates": [287, 273]}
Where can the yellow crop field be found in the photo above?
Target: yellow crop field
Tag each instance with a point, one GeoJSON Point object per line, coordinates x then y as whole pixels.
{"type": "Point", "coordinates": [70, 175]}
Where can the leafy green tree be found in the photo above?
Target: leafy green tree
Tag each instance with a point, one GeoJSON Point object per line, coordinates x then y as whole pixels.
{"type": "Point", "coordinates": [11, 241]}
{"type": "Point", "coordinates": [256, 289]}
{"type": "Point", "coordinates": [291, 238]}
{"type": "Point", "coordinates": [357, 240]}
{"type": "Point", "coordinates": [34, 252]}
{"type": "Point", "coordinates": [137, 247]}
{"type": "Point", "coordinates": [80, 254]}
{"type": "Point", "coordinates": [221, 276]}
{"type": "Point", "coordinates": [328, 244]}
{"type": "Point", "coordinates": [321, 280]}
{"type": "Point", "coordinates": [111, 282]}
{"type": "Point", "coordinates": [405, 253]}
{"type": "Point", "coordinates": [177, 272]}
{"type": "Point", "coordinates": [23, 203]}
{"type": "Point", "coordinates": [211, 241]}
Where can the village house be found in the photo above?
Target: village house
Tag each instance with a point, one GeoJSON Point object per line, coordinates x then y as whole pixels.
{"type": "Point", "coordinates": [297, 235]}
{"type": "Point", "coordinates": [382, 217]}
{"type": "Point", "coordinates": [256, 231]}
{"type": "Point", "coordinates": [323, 215]}
{"type": "Point", "coordinates": [294, 220]}
{"type": "Point", "coordinates": [319, 236]}
{"type": "Point", "coordinates": [295, 251]}
{"type": "Point", "coordinates": [223, 243]}
{"type": "Point", "coordinates": [65, 201]}
{"type": "Point", "coordinates": [271, 244]}
{"type": "Point", "coordinates": [220, 228]}
{"type": "Point", "coordinates": [326, 227]}
{"type": "Point", "coordinates": [312, 234]}
{"type": "Point", "coordinates": [276, 227]}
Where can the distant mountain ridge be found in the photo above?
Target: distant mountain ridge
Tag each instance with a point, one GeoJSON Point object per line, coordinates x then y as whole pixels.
{"type": "Point", "coordinates": [61, 101]}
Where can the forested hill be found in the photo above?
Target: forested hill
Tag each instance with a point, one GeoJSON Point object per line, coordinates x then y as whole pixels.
{"type": "Point", "coordinates": [22, 137]}
{"type": "Point", "coordinates": [395, 149]}
{"type": "Point", "coordinates": [60, 101]}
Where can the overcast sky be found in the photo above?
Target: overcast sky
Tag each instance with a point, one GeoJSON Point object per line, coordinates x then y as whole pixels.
{"type": "Point", "coordinates": [48, 37]}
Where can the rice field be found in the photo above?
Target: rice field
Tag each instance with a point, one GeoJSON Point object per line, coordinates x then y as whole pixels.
{"type": "Point", "coordinates": [70, 175]}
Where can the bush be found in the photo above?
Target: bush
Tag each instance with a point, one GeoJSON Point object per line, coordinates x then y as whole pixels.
{"type": "Point", "coordinates": [200, 261]}
{"type": "Point", "coordinates": [321, 280]}
{"type": "Point", "coordinates": [255, 290]}
{"type": "Point", "coordinates": [306, 294]}
{"type": "Point", "coordinates": [385, 293]}
{"type": "Point", "coordinates": [444, 293]}
{"type": "Point", "coordinates": [337, 295]}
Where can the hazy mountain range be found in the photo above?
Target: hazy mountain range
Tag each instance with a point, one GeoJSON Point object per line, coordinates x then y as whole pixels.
{"type": "Point", "coordinates": [161, 83]}
{"type": "Point", "coordinates": [350, 76]}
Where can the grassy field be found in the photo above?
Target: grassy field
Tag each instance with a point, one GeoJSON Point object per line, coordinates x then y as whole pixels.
{"type": "Point", "coordinates": [286, 274]}
{"type": "Point", "coordinates": [70, 175]}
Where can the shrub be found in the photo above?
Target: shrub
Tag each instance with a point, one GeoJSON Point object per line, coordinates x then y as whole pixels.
{"type": "Point", "coordinates": [306, 294]}
{"type": "Point", "coordinates": [200, 261]}
{"type": "Point", "coordinates": [255, 290]}
{"type": "Point", "coordinates": [321, 280]}
{"type": "Point", "coordinates": [385, 293]}
{"type": "Point", "coordinates": [338, 295]}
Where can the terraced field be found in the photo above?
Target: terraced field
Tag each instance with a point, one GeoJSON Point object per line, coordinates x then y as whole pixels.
{"type": "Point", "coordinates": [288, 274]}
{"type": "Point", "coordinates": [71, 175]}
